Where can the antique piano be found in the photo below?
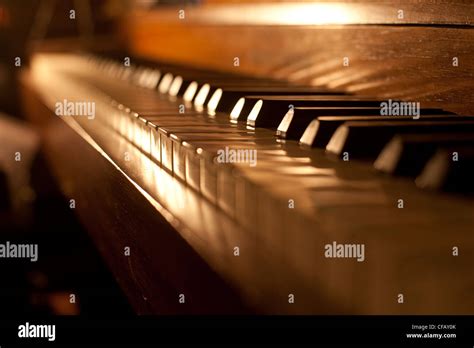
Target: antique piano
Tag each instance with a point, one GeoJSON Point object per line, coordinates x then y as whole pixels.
{"type": "Point", "coordinates": [232, 157]}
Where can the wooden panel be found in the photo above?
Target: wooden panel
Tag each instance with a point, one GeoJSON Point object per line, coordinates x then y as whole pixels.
{"type": "Point", "coordinates": [414, 62]}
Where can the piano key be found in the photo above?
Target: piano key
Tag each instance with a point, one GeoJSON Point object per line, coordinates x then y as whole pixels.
{"type": "Point", "coordinates": [202, 96]}
{"type": "Point", "coordinates": [190, 124]}
{"type": "Point", "coordinates": [210, 168]}
{"type": "Point", "coordinates": [165, 83]}
{"type": "Point", "coordinates": [142, 137]}
{"type": "Point", "coordinates": [406, 154]}
{"type": "Point", "coordinates": [178, 122]}
{"type": "Point", "coordinates": [224, 99]}
{"type": "Point", "coordinates": [131, 121]}
{"type": "Point", "coordinates": [171, 143]}
{"type": "Point", "coordinates": [167, 141]}
{"type": "Point", "coordinates": [320, 130]}
{"type": "Point", "coordinates": [155, 145]}
{"type": "Point", "coordinates": [259, 200]}
{"type": "Point", "coordinates": [268, 111]}
{"type": "Point", "coordinates": [181, 83]}
{"type": "Point", "coordinates": [177, 87]}
{"type": "Point", "coordinates": [450, 169]}
{"type": "Point", "coordinates": [270, 120]}
{"type": "Point", "coordinates": [366, 139]}
{"type": "Point", "coordinates": [149, 78]}
{"type": "Point", "coordinates": [208, 89]}
{"type": "Point", "coordinates": [212, 77]}
{"type": "Point", "coordinates": [190, 92]}
{"type": "Point", "coordinates": [206, 150]}
{"type": "Point", "coordinates": [179, 152]}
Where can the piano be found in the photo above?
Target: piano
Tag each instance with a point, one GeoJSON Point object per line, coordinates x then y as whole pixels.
{"type": "Point", "coordinates": [271, 157]}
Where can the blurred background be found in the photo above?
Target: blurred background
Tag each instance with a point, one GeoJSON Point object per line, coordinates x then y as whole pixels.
{"type": "Point", "coordinates": [69, 277]}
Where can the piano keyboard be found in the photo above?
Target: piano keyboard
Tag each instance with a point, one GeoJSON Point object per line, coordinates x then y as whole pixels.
{"type": "Point", "coordinates": [317, 117]}
{"type": "Point", "coordinates": [298, 167]}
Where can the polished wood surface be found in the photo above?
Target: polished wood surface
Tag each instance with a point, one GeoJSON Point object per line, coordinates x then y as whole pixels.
{"type": "Point", "coordinates": [410, 58]}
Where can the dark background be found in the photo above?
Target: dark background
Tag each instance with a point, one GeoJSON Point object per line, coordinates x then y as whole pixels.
{"type": "Point", "coordinates": [68, 262]}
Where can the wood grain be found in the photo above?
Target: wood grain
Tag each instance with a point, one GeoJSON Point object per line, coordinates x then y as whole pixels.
{"type": "Point", "coordinates": [410, 59]}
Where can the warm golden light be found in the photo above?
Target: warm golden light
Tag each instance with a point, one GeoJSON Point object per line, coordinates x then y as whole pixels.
{"type": "Point", "coordinates": [336, 144]}
{"type": "Point", "coordinates": [190, 92]}
{"type": "Point", "coordinates": [153, 78]}
{"type": "Point", "coordinates": [165, 83]}
{"type": "Point", "coordinates": [308, 136]}
{"type": "Point", "coordinates": [282, 14]}
{"type": "Point", "coordinates": [145, 139]}
{"type": "Point", "coordinates": [137, 138]}
{"type": "Point", "coordinates": [201, 96]}
{"type": "Point", "coordinates": [155, 145]}
{"type": "Point", "coordinates": [285, 122]}
{"type": "Point", "coordinates": [235, 113]}
{"type": "Point", "coordinates": [175, 86]}
{"type": "Point", "coordinates": [214, 101]}
{"type": "Point", "coordinates": [255, 110]}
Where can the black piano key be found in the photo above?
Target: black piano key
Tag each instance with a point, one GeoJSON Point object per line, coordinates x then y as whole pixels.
{"type": "Point", "coordinates": [220, 78]}
{"type": "Point", "coordinates": [268, 121]}
{"type": "Point", "coordinates": [406, 154]}
{"type": "Point", "coordinates": [245, 105]}
{"type": "Point", "coordinates": [449, 169]}
{"type": "Point", "coordinates": [195, 80]}
{"type": "Point", "coordinates": [224, 99]}
{"type": "Point", "coordinates": [205, 87]}
{"type": "Point", "coordinates": [366, 139]}
{"type": "Point", "coordinates": [319, 131]}
{"type": "Point", "coordinates": [269, 111]}
{"type": "Point", "coordinates": [184, 79]}
{"type": "Point", "coordinates": [209, 88]}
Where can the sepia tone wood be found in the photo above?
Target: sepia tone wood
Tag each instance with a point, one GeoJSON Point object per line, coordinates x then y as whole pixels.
{"type": "Point", "coordinates": [281, 248]}
{"type": "Point", "coordinates": [425, 57]}
{"type": "Point", "coordinates": [161, 264]}
{"type": "Point", "coordinates": [437, 8]}
{"type": "Point", "coordinates": [317, 12]}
